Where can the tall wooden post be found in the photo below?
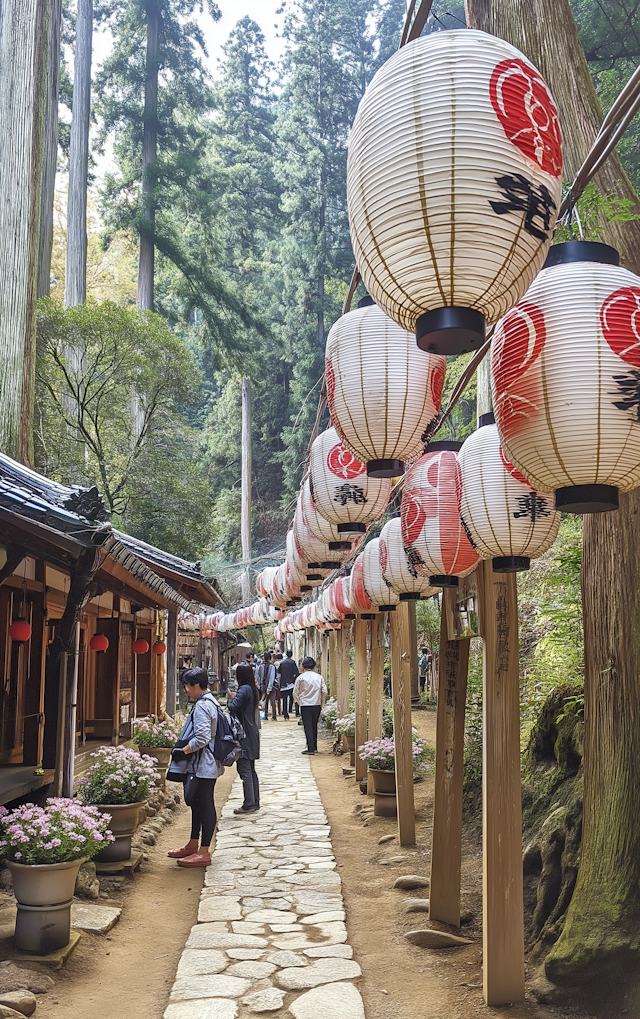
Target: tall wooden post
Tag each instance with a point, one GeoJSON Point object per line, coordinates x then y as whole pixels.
{"type": "Point", "coordinates": [401, 683]}
{"type": "Point", "coordinates": [245, 497]}
{"type": "Point", "coordinates": [446, 850]}
{"type": "Point", "coordinates": [502, 902]}
{"type": "Point", "coordinates": [360, 640]}
{"type": "Point", "coordinates": [324, 656]}
{"type": "Point", "coordinates": [376, 686]}
{"type": "Point", "coordinates": [333, 663]}
{"type": "Point", "coordinates": [413, 652]}
{"type": "Point", "coordinates": [172, 661]}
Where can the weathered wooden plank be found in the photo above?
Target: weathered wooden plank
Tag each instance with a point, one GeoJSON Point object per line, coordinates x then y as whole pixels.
{"type": "Point", "coordinates": [401, 684]}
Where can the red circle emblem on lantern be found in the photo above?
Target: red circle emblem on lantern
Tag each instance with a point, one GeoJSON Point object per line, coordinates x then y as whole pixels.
{"type": "Point", "coordinates": [437, 382]}
{"type": "Point", "coordinates": [140, 646]}
{"type": "Point", "coordinates": [159, 647]}
{"type": "Point", "coordinates": [99, 642]}
{"type": "Point", "coordinates": [382, 553]}
{"type": "Point", "coordinates": [524, 107]}
{"type": "Point", "coordinates": [519, 342]}
{"type": "Point", "coordinates": [414, 514]}
{"type": "Point", "coordinates": [344, 464]}
{"type": "Point", "coordinates": [513, 471]}
{"type": "Point", "coordinates": [20, 630]}
{"type": "Point", "coordinates": [620, 320]}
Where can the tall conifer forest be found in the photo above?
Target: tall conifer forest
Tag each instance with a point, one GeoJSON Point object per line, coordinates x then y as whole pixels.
{"type": "Point", "coordinates": [252, 257]}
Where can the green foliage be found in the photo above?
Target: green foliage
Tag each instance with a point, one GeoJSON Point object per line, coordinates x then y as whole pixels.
{"type": "Point", "coordinates": [111, 381]}
{"type": "Point", "coordinates": [593, 210]}
{"type": "Point", "coordinates": [428, 624]}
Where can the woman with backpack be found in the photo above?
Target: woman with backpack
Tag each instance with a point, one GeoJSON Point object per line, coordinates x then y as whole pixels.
{"type": "Point", "coordinates": [244, 707]}
{"type": "Point", "coordinates": [197, 739]}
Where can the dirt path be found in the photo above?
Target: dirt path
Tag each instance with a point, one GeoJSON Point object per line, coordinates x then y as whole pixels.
{"type": "Point", "coordinates": [130, 971]}
{"type": "Point", "coordinates": [400, 979]}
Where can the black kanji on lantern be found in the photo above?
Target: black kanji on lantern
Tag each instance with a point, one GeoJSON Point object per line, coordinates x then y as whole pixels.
{"type": "Point", "coordinates": [532, 506]}
{"type": "Point", "coordinates": [350, 493]}
{"type": "Point", "coordinates": [413, 559]}
{"type": "Point", "coordinates": [465, 528]}
{"type": "Point", "coordinates": [629, 389]}
{"type": "Point", "coordinates": [523, 196]}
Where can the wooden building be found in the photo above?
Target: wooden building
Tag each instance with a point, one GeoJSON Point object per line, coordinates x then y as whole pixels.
{"type": "Point", "coordinates": [70, 575]}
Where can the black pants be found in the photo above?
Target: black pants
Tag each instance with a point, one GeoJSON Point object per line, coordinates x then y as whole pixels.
{"type": "Point", "coordinates": [423, 680]}
{"type": "Point", "coordinates": [270, 699]}
{"type": "Point", "coordinates": [287, 701]}
{"type": "Point", "coordinates": [203, 812]}
{"type": "Point", "coordinates": [297, 707]}
{"type": "Point", "coordinates": [247, 772]}
{"type": "Point", "coordinates": [310, 716]}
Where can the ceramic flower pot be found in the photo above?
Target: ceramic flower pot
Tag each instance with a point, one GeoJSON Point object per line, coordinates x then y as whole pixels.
{"type": "Point", "coordinates": [123, 823]}
{"type": "Point", "coordinates": [382, 781]}
{"type": "Point", "coordinates": [350, 743]}
{"type": "Point", "coordinates": [44, 892]}
{"type": "Point", "coordinates": [161, 755]}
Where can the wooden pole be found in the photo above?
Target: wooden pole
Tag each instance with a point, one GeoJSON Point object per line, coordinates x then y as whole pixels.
{"type": "Point", "coordinates": [413, 651]}
{"type": "Point", "coordinates": [502, 902]}
{"type": "Point", "coordinates": [401, 683]}
{"type": "Point", "coordinates": [361, 692]}
{"type": "Point", "coordinates": [446, 849]}
{"type": "Point", "coordinates": [172, 661]}
{"type": "Point", "coordinates": [333, 664]}
{"type": "Point", "coordinates": [245, 507]}
{"type": "Point", "coordinates": [376, 687]}
{"type": "Point", "coordinates": [324, 656]}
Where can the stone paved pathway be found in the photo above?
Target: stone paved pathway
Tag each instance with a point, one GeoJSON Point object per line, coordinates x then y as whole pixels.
{"type": "Point", "coordinates": [271, 938]}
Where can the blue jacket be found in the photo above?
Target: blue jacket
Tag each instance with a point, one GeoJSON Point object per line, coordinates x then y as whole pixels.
{"type": "Point", "coordinates": [242, 708]}
{"type": "Point", "coordinates": [201, 727]}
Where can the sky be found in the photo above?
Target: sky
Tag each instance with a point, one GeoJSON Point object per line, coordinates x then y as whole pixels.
{"type": "Point", "coordinates": [263, 12]}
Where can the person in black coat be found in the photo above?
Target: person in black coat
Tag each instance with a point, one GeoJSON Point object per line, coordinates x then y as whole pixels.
{"type": "Point", "coordinates": [244, 707]}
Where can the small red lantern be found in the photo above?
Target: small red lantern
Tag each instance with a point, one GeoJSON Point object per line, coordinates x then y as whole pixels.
{"type": "Point", "coordinates": [99, 642]}
{"type": "Point", "coordinates": [159, 647]}
{"type": "Point", "coordinates": [140, 646]}
{"type": "Point", "coordinates": [20, 630]}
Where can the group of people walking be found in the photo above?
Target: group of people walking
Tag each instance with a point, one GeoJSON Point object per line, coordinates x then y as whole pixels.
{"type": "Point", "coordinates": [255, 685]}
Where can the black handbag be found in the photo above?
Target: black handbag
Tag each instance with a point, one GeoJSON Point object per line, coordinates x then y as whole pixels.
{"type": "Point", "coordinates": [177, 770]}
{"type": "Point", "coordinates": [191, 783]}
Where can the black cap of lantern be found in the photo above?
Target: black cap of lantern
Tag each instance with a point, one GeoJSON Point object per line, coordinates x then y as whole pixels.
{"type": "Point", "coordinates": [349, 615]}
{"type": "Point", "coordinates": [314, 566]}
{"type": "Point", "coordinates": [330, 564]}
{"type": "Point", "coordinates": [486, 419]}
{"type": "Point", "coordinates": [450, 330]}
{"type": "Point", "coordinates": [350, 528]}
{"type": "Point", "coordinates": [440, 444]}
{"type": "Point", "coordinates": [386, 608]}
{"type": "Point", "coordinates": [443, 581]}
{"type": "Point", "coordinates": [367, 615]}
{"type": "Point", "coordinates": [305, 588]}
{"type": "Point", "coordinates": [314, 576]}
{"type": "Point", "coordinates": [339, 546]}
{"type": "Point", "coordinates": [385, 468]}
{"type": "Point", "coordinates": [511, 564]}
{"type": "Point", "coordinates": [581, 251]}
{"type": "Point", "coordinates": [410, 596]}
{"type": "Point", "coordinates": [587, 499]}
{"type": "Point", "coordinates": [366, 301]}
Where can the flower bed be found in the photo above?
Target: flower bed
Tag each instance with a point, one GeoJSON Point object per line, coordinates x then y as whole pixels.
{"type": "Point", "coordinates": [346, 726]}
{"type": "Point", "coordinates": [119, 775]}
{"type": "Point", "coordinates": [63, 830]}
{"type": "Point", "coordinates": [150, 732]}
{"type": "Point", "coordinates": [380, 754]}
{"type": "Point", "coordinates": [329, 713]}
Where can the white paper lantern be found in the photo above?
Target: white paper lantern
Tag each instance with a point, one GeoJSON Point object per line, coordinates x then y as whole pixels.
{"type": "Point", "coordinates": [379, 591]}
{"type": "Point", "coordinates": [504, 518]}
{"type": "Point", "coordinates": [432, 532]}
{"type": "Point", "coordinates": [297, 565]}
{"type": "Point", "coordinates": [383, 393]}
{"type": "Point", "coordinates": [566, 383]}
{"type": "Point", "coordinates": [342, 491]}
{"type": "Point", "coordinates": [454, 180]}
{"type": "Point", "coordinates": [319, 557]}
{"type": "Point", "coordinates": [264, 580]}
{"type": "Point", "coordinates": [360, 600]}
{"type": "Point", "coordinates": [397, 569]}
{"type": "Point", "coordinates": [319, 525]}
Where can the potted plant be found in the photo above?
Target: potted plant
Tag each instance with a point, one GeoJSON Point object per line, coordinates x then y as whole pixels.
{"type": "Point", "coordinates": [118, 784]}
{"type": "Point", "coordinates": [380, 755]}
{"type": "Point", "coordinates": [329, 713]}
{"type": "Point", "coordinates": [44, 848]}
{"type": "Point", "coordinates": [346, 727]}
{"type": "Point", "coordinates": [156, 738]}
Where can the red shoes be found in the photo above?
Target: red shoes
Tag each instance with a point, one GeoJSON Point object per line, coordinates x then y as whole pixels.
{"type": "Point", "coordinates": [195, 860]}
{"type": "Point", "coordinates": [179, 854]}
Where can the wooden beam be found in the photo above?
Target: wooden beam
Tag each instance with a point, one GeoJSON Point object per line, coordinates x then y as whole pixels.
{"type": "Point", "coordinates": [14, 558]}
{"type": "Point", "coordinates": [413, 652]}
{"type": "Point", "coordinates": [361, 692]}
{"type": "Point", "coordinates": [401, 684]}
{"type": "Point", "coordinates": [332, 684]}
{"type": "Point", "coordinates": [324, 656]}
{"type": "Point", "coordinates": [376, 685]}
{"type": "Point", "coordinates": [502, 902]}
{"type": "Point", "coordinates": [446, 848]}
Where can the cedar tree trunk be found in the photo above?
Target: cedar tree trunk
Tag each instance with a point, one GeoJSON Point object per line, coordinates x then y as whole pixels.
{"type": "Point", "coordinates": [602, 931]}
{"type": "Point", "coordinates": [75, 270]}
{"type": "Point", "coordinates": [50, 153]}
{"type": "Point", "coordinates": [149, 154]}
{"type": "Point", "coordinates": [24, 43]}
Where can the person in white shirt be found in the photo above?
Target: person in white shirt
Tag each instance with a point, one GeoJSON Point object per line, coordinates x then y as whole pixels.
{"type": "Point", "coordinates": [310, 691]}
